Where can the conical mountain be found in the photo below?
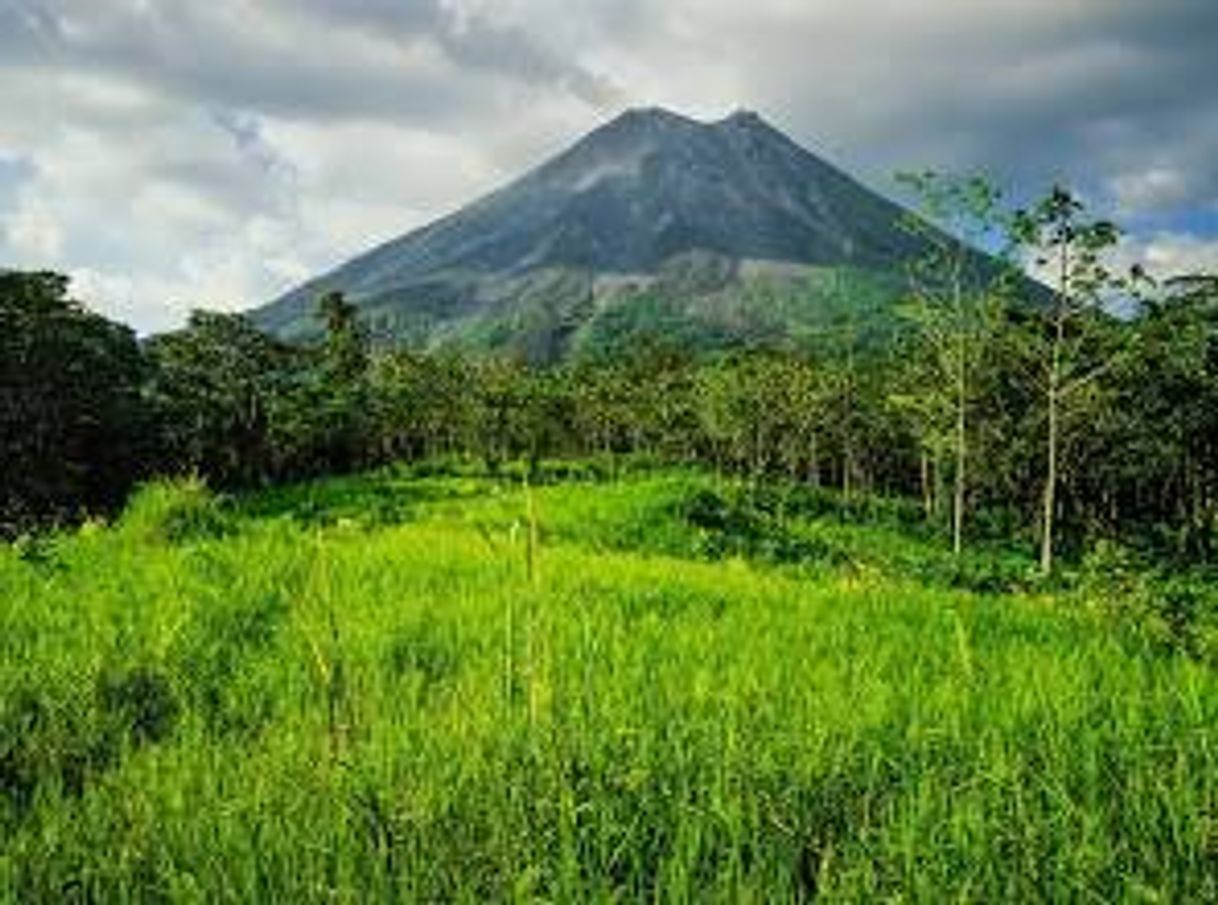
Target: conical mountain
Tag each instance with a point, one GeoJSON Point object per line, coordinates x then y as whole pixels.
{"type": "Point", "coordinates": [712, 233]}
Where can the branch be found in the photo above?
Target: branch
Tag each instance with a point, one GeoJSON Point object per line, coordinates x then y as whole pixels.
{"type": "Point", "coordinates": [1069, 387]}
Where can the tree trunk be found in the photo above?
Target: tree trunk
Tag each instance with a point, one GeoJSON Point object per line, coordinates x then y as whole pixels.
{"type": "Point", "coordinates": [961, 449]}
{"type": "Point", "coordinates": [814, 461]}
{"type": "Point", "coordinates": [928, 499]}
{"type": "Point", "coordinates": [1049, 502]}
{"type": "Point", "coordinates": [936, 482]}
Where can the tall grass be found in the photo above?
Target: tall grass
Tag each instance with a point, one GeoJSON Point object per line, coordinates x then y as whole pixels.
{"type": "Point", "coordinates": [455, 699]}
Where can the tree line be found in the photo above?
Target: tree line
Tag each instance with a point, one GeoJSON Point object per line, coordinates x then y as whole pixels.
{"type": "Point", "coordinates": [1008, 409]}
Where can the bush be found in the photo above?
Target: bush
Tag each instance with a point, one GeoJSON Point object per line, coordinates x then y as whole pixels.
{"type": "Point", "coordinates": [1175, 612]}
{"type": "Point", "coordinates": [745, 527]}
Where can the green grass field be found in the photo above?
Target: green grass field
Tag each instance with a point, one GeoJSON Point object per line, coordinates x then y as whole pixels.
{"type": "Point", "coordinates": [409, 688]}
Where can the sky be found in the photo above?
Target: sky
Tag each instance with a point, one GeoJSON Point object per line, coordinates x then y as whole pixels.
{"type": "Point", "coordinates": [174, 154]}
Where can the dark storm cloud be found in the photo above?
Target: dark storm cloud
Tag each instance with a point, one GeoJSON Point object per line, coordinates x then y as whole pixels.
{"type": "Point", "coordinates": [1100, 94]}
{"type": "Point", "coordinates": [208, 53]}
{"type": "Point", "coordinates": [473, 40]}
{"type": "Point", "coordinates": [310, 58]}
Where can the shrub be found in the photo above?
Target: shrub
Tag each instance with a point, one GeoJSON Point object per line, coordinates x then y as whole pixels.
{"type": "Point", "coordinates": [742, 527]}
{"type": "Point", "coordinates": [1175, 612]}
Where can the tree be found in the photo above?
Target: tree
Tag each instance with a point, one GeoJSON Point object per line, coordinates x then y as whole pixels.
{"type": "Point", "coordinates": [217, 387]}
{"type": "Point", "coordinates": [801, 402]}
{"type": "Point", "coordinates": [917, 392]}
{"type": "Point", "coordinates": [339, 389]}
{"type": "Point", "coordinates": [955, 296]}
{"type": "Point", "coordinates": [506, 400]}
{"type": "Point", "coordinates": [724, 415]}
{"type": "Point", "coordinates": [345, 352]}
{"type": "Point", "coordinates": [72, 422]}
{"type": "Point", "coordinates": [1155, 463]}
{"type": "Point", "coordinates": [601, 403]}
{"type": "Point", "coordinates": [837, 349]}
{"type": "Point", "coordinates": [1074, 349]}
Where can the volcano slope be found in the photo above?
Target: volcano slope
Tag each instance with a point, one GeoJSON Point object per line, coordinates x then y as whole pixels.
{"type": "Point", "coordinates": [710, 235]}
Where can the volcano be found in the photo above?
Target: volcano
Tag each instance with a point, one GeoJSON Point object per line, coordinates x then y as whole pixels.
{"type": "Point", "coordinates": [709, 234]}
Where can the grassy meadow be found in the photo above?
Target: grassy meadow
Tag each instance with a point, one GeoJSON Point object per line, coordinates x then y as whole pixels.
{"type": "Point", "coordinates": [450, 687]}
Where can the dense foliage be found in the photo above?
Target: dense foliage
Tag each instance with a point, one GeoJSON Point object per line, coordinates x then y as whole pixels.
{"type": "Point", "coordinates": [72, 420]}
{"type": "Point", "coordinates": [1007, 408]}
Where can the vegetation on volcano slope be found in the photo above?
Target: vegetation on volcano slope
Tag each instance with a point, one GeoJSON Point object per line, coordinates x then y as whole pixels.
{"type": "Point", "coordinates": [438, 686]}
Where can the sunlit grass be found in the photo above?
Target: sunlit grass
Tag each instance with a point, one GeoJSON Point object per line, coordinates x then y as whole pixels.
{"type": "Point", "coordinates": [307, 697]}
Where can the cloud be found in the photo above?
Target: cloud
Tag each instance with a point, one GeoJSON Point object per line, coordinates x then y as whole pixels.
{"type": "Point", "coordinates": [481, 38]}
{"type": "Point", "coordinates": [14, 172]}
{"type": "Point", "coordinates": [172, 152]}
{"type": "Point", "coordinates": [1167, 254]}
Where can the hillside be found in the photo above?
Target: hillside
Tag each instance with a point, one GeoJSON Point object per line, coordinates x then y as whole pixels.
{"type": "Point", "coordinates": [714, 233]}
{"type": "Point", "coordinates": [405, 687]}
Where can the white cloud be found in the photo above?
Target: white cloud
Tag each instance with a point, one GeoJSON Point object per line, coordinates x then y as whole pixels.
{"type": "Point", "coordinates": [33, 234]}
{"type": "Point", "coordinates": [214, 153]}
{"type": "Point", "coordinates": [1167, 254]}
{"type": "Point", "coordinates": [1152, 188]}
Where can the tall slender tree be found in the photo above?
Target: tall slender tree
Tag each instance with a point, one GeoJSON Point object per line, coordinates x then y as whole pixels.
{"type": "Point", "coordinates": [1073, 348]}
{"type": "Point", "coordinates": [955, 293]}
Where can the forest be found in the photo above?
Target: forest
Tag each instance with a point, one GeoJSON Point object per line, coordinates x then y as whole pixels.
{"type": "Point", "coordinates": [1054, 414]}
